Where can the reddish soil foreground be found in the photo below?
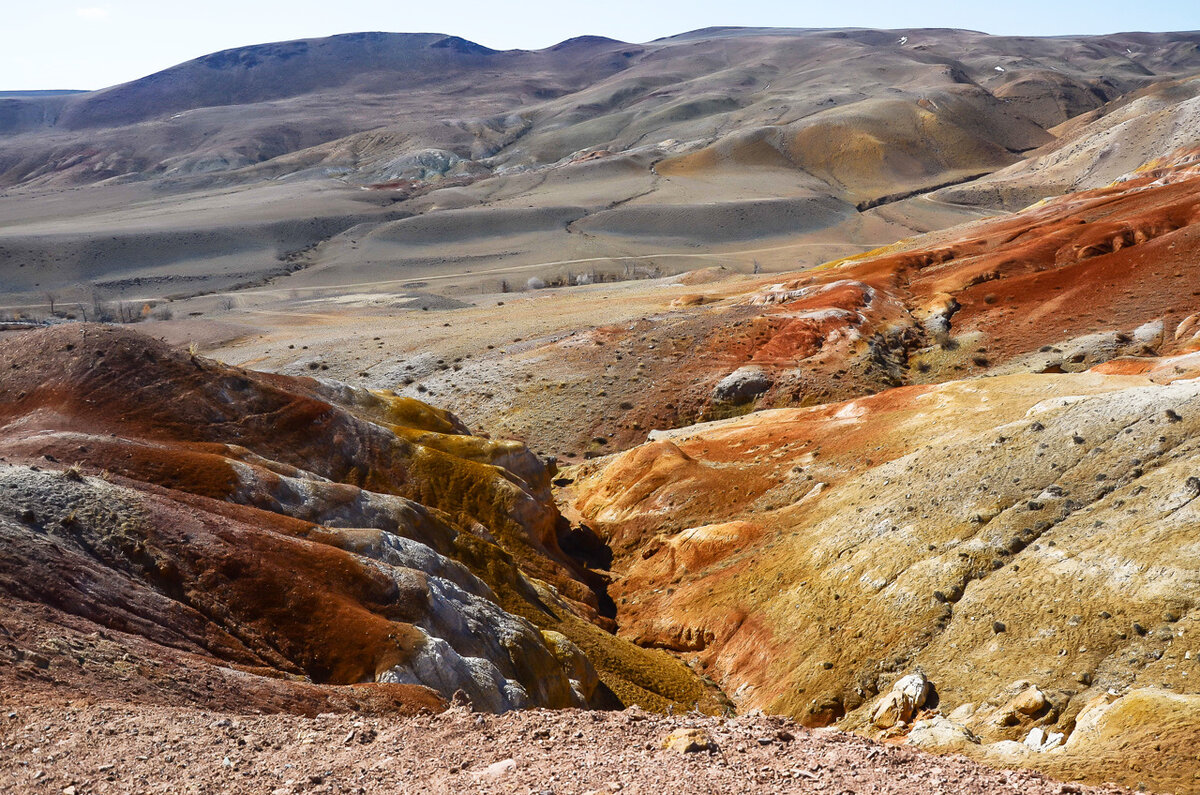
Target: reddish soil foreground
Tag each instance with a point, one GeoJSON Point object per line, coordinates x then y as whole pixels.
{"type": "Point", "coordinates": [1059, 287]}
{"type": "Point", "coordinates": [86, 748]}
{"type": "Point", "coordinates": [289, 543]}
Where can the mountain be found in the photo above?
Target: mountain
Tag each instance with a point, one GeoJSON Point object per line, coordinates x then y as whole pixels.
{"type": "Point", "coordinates": [247, 167]}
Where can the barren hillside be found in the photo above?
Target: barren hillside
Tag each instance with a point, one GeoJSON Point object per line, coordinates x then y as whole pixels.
{"type": "Point", "coordinates": [746, 410]}
{"type": "Point", "coordinates": [331, 165]}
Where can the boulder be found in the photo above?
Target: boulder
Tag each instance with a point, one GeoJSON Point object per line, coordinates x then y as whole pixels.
{"type": "Point", "coordinates": [901, 703]}
{"type": "Point", "coordinates": [940, 734]}
{"type": "Point", "coordinates": [1149, 334]}
{"type": "Point", "coordinates": [962, 712]}
{"type": "Point", "coordinates": [742, 385]}
{"type": "Point", "coordinates": [1007, 751]}
{"type": "Point", "coordinates": [1029, 701]}
{"type": "Point", "coordinates": [497, 770]}
{"type": "Point", "coordinates": [1039, 739]}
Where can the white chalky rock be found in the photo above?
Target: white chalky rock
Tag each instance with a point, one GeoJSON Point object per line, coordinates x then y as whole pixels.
{"type": "Point", "coordinates": [901, 703]}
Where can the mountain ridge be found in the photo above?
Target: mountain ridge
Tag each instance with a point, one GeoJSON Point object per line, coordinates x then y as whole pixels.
{"type": "Point", "coordinates": [651, 141]}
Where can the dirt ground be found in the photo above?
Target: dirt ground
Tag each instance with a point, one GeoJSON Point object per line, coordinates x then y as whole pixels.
{"type": "Point", "coordinates": [110, 748]}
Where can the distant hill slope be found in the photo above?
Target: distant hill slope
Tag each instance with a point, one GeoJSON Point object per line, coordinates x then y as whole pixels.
{"type": "Point", "coordinates": [591, 150]}
{"type": "Point", "coordinates": [1095, 148]}
{"type": "Point", "coordinates": [595, 92]}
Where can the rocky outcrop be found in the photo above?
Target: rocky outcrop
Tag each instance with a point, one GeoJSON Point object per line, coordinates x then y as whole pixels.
{"type": "Point", "coordinates": [688, 741]}
{"type": "Point", "coordinates": [941, 734]}
{"type": "Point", "coordinates": [742, 385]}
{"type": "Point", "coordinates": [900, 704]}
{"type": "Point", "coordinates": [260, 591]}
{"type": "Point", "coordinates": [296, 528]}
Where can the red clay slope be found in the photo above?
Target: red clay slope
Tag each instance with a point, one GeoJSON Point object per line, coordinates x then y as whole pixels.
{"type": "Point", "coordinates": [992, 294]}
{"type": "Point", "coordinates": [294, 528]}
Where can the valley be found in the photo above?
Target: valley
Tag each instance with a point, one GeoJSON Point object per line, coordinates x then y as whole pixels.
{"type": "Point", "coordinates": [765, 409]}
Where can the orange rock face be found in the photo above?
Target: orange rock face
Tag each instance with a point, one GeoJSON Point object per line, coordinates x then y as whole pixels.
{"type": "Point", "coordinates": [1029, 529]}
{"type": "Point", "coordinates": [1022, 540]}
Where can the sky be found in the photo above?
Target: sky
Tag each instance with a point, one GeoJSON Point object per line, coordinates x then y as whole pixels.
{"type": "Point", "coordinates": [91, 44]}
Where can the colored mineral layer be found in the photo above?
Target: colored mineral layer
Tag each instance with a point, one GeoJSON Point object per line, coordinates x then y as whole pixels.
{"type": "Point", "coordinates": [748, 410]}
{"type": "Point", "coordinates": [298, 529]}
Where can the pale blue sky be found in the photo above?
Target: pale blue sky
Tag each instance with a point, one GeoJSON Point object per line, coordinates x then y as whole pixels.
{"type": "Point", "coordinates": [95, 43]}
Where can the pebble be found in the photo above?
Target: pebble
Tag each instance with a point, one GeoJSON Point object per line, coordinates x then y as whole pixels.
{"type": "Point", "coordinates": [497, 770]}
{"type": "Point", "coordinates": [688, 741]}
